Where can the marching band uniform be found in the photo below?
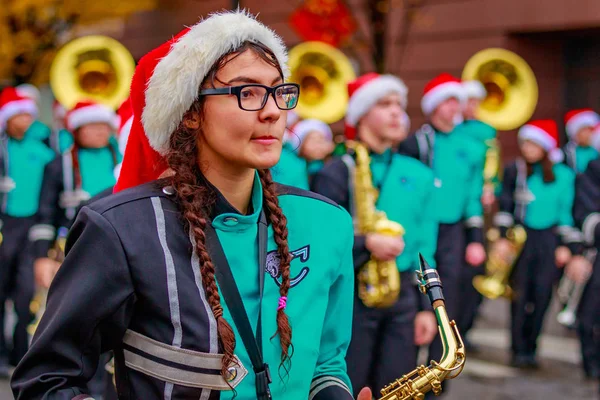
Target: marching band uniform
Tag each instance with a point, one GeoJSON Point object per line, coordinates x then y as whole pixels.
{"type": "Point", "coordinates": [456, 164]}
{"type": "Point", "coordinates": [131, 279]}
{"type": "Point", "coordinates": [483, 137]}
{"type": "Point", "coordinates": [586, 212]}
{"type": "Point", "coordinates": [293, 168]}
{"type": "Point", "coordinates": [405, 193]}
{"type": "Point", "coordinates": [575, 155]}
{"type": "Point", "coordinates": [544, 209]}
{"type": "Point", "coordinates": [22, 170]}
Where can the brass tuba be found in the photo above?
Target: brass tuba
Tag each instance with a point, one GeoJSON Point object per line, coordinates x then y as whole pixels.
{"type": "Point", "coordinates": [494, 283]}
{"type": "Point", "coordinates": [96, 68]}
{"type": "Point", "coordinates": [414, 385]}
{"type": "Point", "coordinates": [512, 91]}
{"type": "Point", "coordinates": [378, 281]}
{"type": "Point", "coordinates": [322, 71]}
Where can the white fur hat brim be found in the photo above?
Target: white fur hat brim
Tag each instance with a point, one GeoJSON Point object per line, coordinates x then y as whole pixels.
{"type": "Point", "coordinates": [90, 115]}
{"type": "Point", "coordinates": [174, 85]}
{"type": "Point", "coordinates": [364, 98]}
{"type": "Point", "coordinates": [304, 127]}
{"type": "Point", "coordinates": [537, 135]}
{"type": "Point", "coordinates": [474, 90]}
{"type": "Point", "coordinates": [432, 99]}
{"type": "Point", "coordinates": [580, 121]}
{"type": "Point", "coordinates": [14, 108]}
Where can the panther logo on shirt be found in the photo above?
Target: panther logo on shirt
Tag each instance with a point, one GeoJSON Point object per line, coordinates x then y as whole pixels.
{"type": "Point", "coordinates": [273, 262]}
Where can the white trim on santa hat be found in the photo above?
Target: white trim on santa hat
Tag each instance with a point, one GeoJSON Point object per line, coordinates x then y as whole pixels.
{"type": "Point", "coordinates": [537, 135]}
{"type": "Point", "coordinates": [365, 97]}
{"type": "Point", "coordinates": [581, 120]}
{"type": "Point", "coordinates": [474, 90]}
{"type": "Point", "coordinates": [441, 93]}
{"type": "Point", "coordinates": [13, 108]}
{"type": "Point", "coordinates": [28, 90]}
{"type": "Point", "coordinates": [174, 85]}
{"type": "Point", "coordinates": [304, 127]}
{"type": "Point", "coordinates": [96, 113]}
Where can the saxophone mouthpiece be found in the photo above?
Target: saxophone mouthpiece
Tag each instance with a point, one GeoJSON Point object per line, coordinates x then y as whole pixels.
{"type": "Point", "coordinates": [430, 281]}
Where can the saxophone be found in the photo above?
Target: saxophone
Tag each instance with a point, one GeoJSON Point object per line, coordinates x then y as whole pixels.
{"type": "Point", "coordinates": [37, 306]}
{"type": "Point", "coordinates": [429, 379]}
{"type": "Point", "coordinates": [494, 283]}
{"type": "Point", "coordinates": [378, 281]}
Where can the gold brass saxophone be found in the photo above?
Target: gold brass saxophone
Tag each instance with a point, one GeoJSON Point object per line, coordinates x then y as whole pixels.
{"type": "Point", "coordinates": [422, 380]}
{"type": "Point", "coordinates": [494, 283]}
{"type": "Point", "coordinates": [378, 281]}
{"type": "Point", "coordinates": [491, 168]}
{"type": "Point", "coordinates": [37, 306]}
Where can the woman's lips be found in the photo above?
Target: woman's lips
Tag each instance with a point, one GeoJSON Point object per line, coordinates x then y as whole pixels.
{"type": "Point", "coordinates": [265, 140]}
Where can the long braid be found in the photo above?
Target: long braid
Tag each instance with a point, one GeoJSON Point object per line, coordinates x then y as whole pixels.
{"type": "Point", "coordinates": [279, 224]}
{"type": "Point", "coordinates": [195, 201]}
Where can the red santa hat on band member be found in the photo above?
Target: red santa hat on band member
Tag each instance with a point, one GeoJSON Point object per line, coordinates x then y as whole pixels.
{"type": "Point", "coordinates": [125, 113]}
{"type": "Point", "coordinates": [365, 91]}
{"type": "Point", "coordinates": [13, 104]}
{"type": "Point", "coordinates": [30, 91]}
{"type": "Point", "coordinates": [89, 112]}
{"type": "Point", "coordinates": [301, 130]}
{"type": "Point", "coordinates": [542, 132]}
{"type": "Point", "coordinates": [474, 90]}
{"type": "Point", "coordinates": [440, 89]}
{"type": "Point", "coordinates": [167, 80]}
{"type": "Point", "coordinates": [575, 120]}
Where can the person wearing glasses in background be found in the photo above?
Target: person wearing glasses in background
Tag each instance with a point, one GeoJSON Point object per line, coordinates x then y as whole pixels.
{"type": "Point", "coordinates": [207, 279]}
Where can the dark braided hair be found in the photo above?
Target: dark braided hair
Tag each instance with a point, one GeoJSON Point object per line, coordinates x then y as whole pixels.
{"type": "Point", "coordinates": [195, 200]}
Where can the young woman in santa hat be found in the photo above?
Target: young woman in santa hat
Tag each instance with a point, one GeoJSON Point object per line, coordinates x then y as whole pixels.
{"type": "Point", "coordinates": [405, 193]}
{"type": "Point", "coordinates": [537, 194]}
{"type": "Point", "coordinates": [171, 274]}
{"type": "Point", "coordinates": [579, 150]}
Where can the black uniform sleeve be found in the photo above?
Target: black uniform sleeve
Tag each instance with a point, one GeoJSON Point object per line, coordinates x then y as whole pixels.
{"type": "Point", "coordinates": [586, 207]}
{"type": "Point", "coordinates": [90, 303]}
{"type": "Point", "coordinates": [332, 182]}
{"type": "Point", "coordinates": [504, 218]}
{"type": "Point", "coordinates": [410, 147]}
{"type": "Point", "coordinates": [49, 214]}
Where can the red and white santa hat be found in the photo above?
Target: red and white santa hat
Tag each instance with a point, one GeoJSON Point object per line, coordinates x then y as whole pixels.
{"type": "Point", "coordinates": [167, 80]}
{"type": "Point", "coordinates": [301, 130]}
{"type": "Point", "coordinates": [89, 112]}
{"type": "Point", "coordinates": [125, 113]}
{"type": "Point", "coordinates": [12, 104]}
{"type": "Point", "coordinates": [474, 89]}
{"type": "Point", "coordinates": [365, 91]}
{"type": "Point", "coordinates": [544, 132]}
{"type": "Point", "coordinates": [439, 89]}
{"type": "Point", "coordinates": [30, 91]}
{"type": "Point", "coordinates": [575, 120]}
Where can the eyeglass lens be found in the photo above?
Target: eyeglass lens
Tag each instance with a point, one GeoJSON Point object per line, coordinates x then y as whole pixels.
{"type": "Point", "coordinates": [253, 98]}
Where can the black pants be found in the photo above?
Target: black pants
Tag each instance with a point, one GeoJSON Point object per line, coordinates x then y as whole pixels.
{"type": "Point", "coordinates": [532, 280]}
{"type": "Point", "coordinates": [382, 347]}
{"type": "Point", "coordinates": [469, 298]}
{"type": "Point", "coordinates": [450, 259]}
{"type": "Point", "coordinates": [16, 282]}
{"type": "Point", "coordinates": [588, 326]}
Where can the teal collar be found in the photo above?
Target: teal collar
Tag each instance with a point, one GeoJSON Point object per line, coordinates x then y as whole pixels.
{"type": "Point", "coordinates": [227, 218]}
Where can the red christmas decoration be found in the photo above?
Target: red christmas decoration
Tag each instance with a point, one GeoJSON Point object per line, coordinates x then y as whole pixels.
{"type": "Point", "coordinates": [326, 21]}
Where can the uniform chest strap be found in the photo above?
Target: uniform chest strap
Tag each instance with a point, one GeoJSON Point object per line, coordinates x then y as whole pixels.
{"type": "Point", "coordinates": [179, 366]}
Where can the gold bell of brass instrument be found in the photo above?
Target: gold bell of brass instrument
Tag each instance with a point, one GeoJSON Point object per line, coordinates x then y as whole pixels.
{"type": "Point", "coordinates": [422, 380]}
{"type": "Point", "coordinates": [378, 281]}
{"type": "Point", "coordinates": [494, 283]}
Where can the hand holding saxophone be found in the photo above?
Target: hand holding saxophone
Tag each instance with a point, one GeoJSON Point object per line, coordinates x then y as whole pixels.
{"type": "Point", "coordinates": [384, 247]}
{"type": "Point", "coordinates": [579, 269]}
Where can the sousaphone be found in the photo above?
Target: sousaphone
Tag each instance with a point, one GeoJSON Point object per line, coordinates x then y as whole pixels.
{"type": "Point", "coordinates": [96, 68]}
{"type": "Point", "coordinates": [512, 90]}
{"type": "Point", "coordinates": [323, 72]}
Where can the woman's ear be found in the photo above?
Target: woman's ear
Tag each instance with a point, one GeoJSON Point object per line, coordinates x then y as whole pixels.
{"type": "Point", "coordinates": [192, 120]}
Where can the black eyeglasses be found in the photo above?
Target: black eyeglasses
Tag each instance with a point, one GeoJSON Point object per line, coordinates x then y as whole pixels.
{"type": "Point", "coordinates": [253, 97]}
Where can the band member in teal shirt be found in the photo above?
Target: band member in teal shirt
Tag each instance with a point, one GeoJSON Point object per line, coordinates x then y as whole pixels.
{"type": "Point", "coordinates": [405, 193]}
{"type": "Point", "coordinates": [537, 194]}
